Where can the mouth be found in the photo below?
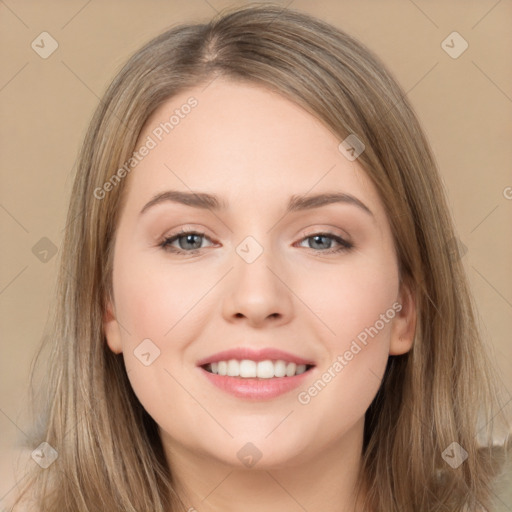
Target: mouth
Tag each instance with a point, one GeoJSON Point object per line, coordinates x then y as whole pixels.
{"type": "Point", "coordinates": [259, 375]}
{"type": "Point", "coordinates": [250, 369]}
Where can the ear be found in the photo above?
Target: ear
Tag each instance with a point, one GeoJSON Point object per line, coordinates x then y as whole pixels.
{"type": "Point", "coordinates": [111, 329]}
{"type": "Point", "coordinates": [404, 323]}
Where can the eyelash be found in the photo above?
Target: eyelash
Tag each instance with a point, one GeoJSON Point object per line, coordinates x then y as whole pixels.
{"type": "Point", "coordinates": [165, 244]}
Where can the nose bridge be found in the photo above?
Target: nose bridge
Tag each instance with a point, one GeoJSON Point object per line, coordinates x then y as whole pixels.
{"type": "Point", "coordinates": [257, 290]}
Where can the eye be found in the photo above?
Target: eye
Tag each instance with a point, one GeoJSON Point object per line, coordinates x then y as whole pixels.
{"type": "Point", "coordinates": [323, 241]}
{"type": "Point", "coordinates": [189, 242]}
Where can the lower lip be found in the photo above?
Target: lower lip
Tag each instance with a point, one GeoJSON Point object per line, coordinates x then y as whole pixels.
{"type": "Point", "coordinates": [253, 388]}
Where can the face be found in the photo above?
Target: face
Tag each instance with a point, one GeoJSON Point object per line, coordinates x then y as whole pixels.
{"type": "Point", "coordinates": [224, 262]}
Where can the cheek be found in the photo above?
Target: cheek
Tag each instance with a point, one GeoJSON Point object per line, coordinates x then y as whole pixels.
{"type": "Point", "coordinates": [357, 312]}
{"type": "Point", "coordinates": [163, 305]}
{"type": "Point", "coordinates": [353, 297]}
{"type": "Point", "coordinates": [152, 300]}
{"type": "Point", "coordinates": [152, 306]}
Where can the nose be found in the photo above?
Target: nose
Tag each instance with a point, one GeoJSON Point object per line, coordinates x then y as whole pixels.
{"type": "Point", "coordinates": [257, 293]}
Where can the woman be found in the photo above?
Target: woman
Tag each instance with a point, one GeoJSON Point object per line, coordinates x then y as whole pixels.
{"type": "Point", "coordinates": [262, 370]}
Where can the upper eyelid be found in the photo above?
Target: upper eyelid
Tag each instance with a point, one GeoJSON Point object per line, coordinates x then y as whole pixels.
{"type": "Point", "coordinates": [203, 233]}
{"type": "Point", "coordinates": [175, 236]}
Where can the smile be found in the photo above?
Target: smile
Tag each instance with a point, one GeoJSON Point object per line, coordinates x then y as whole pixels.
{"type": "Point", "coordinates": [247, 368]}
{"type": "Point", "coordinates": [256, 374]}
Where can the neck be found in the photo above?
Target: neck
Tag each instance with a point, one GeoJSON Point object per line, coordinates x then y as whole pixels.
{"type": "Point", "coordinates": [326, 482]}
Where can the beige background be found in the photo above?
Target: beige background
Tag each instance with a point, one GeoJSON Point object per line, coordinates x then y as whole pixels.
{"type": "Point", "coordinates": [465, 105]}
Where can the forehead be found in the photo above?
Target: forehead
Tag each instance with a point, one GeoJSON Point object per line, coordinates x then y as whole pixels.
{"type": "Point", "coordinates": [244, 142]}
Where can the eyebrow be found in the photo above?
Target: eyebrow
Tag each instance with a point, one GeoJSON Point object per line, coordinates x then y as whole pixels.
{"type": "Point", "coordinates": [212, 202]}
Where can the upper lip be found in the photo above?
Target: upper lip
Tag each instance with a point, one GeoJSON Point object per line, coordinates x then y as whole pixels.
{"type": "Point", "coordinates": [263, 354]}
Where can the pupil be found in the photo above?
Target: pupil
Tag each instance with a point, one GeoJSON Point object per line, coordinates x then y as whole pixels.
{"type": "Point", "coordinates": [190, 238]}
{"type": "Point", "coordinates": [317, 237]}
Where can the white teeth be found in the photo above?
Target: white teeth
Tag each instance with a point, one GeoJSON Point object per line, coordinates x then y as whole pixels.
{"type": "Point", "coordinates": [223, 367]}
{"type": "Point", "coordinates": [247, 368]}
{"type": "Point", "coordinates": [279, 369]}
{"type": "Point", "coordinates": [301, 368]}
{"type": "Point", "coordinates": [265, 369]}
{"type": "Point", "coordinates": [233, 368]}
{"type": "Point", "coordinates": [290, 369]}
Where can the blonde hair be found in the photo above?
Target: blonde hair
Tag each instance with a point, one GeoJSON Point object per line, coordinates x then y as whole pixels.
{"type": "Point", "coordinates": [110, 455]}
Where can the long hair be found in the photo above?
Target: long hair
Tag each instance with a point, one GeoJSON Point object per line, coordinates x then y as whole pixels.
{"type": "Point", "coordinates": [443, 391]}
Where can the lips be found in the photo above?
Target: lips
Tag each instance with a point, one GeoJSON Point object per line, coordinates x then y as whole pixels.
{"type": "Point", "coordinates": [277, 372]}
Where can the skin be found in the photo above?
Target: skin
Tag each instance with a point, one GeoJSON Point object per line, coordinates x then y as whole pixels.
{"type": "Point", "coordinates": [255, 149]}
